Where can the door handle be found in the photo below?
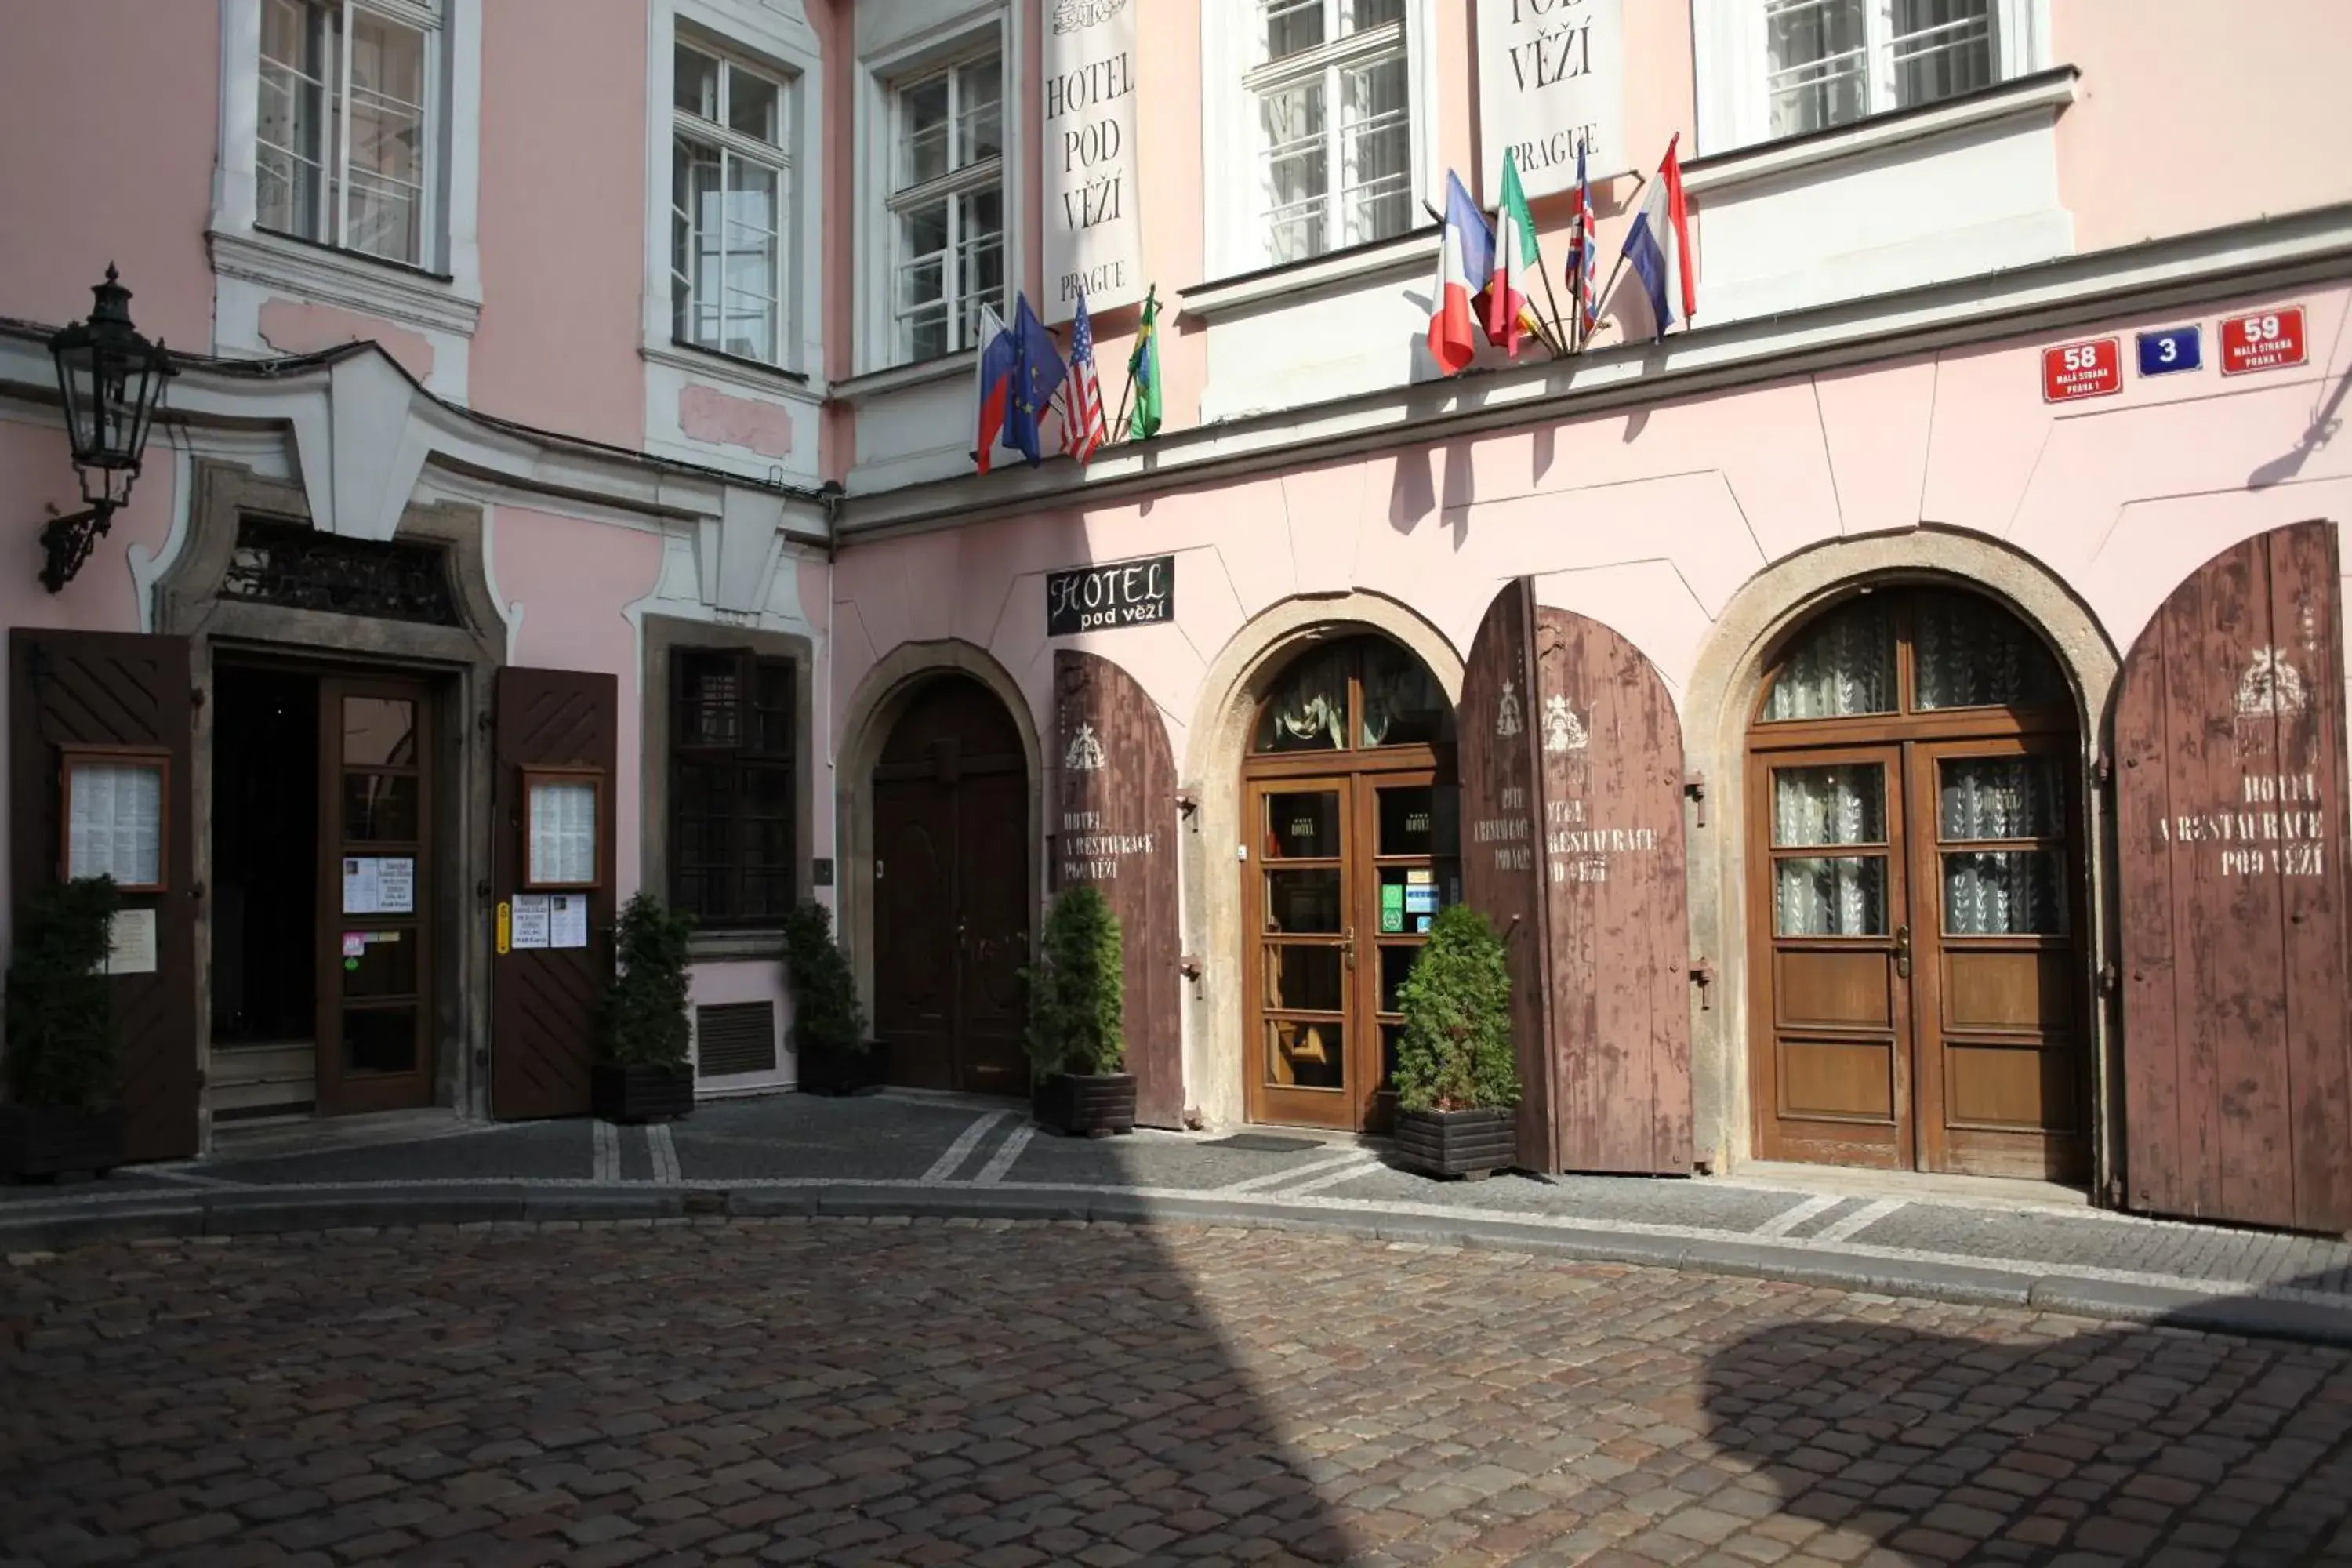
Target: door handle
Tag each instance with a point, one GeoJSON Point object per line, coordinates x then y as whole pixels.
{"type": "Point", "coordinates": [1348, 946]}
{"type": "Point", "coordinates": [1903, 952]}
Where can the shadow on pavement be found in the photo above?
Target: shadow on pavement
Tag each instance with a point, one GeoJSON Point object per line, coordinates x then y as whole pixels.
{"type": "Point", "coordinates": [2034, 1439]}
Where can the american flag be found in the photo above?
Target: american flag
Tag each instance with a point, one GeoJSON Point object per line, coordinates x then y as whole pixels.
{"type": "Point", "coordinates": [1084, 429]}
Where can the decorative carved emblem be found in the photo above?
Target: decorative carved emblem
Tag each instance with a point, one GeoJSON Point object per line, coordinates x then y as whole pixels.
{"type": "Point", "coordinates": [1509, 719]}
{"type": "Point", "coordinates": [2271, 685]}
{"type": "Point", "coordinates": [1071, 16]}
{"type": "Point", "coordinates": [294, 565]}
{"type": "Point", "coordinates": [1563, 732]}
{"type": "Point", "coordinates": [1086, 752]}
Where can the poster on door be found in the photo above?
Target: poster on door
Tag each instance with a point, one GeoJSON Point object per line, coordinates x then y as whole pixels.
{"type": "Point", "coordinates": [379, 885]}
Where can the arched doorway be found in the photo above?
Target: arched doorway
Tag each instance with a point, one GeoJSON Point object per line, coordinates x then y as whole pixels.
{"type": "Point", "coordinates": [1914, 883]}
{"type": "Point", "coordinates": [952, 891]}
{"type": "Point", "coordinates": [1350, 844]}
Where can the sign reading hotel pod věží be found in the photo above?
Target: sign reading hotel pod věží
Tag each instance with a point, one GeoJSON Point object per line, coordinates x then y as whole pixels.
{"type": "Point", "coordinates": [1551, 74]}
{"type": "Point", "coordinates": [1086, 159]}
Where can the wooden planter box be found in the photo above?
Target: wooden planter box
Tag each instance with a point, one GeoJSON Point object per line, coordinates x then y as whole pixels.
{"type": "Point", "coordinates": [1089, 1105]}
{"type": "Point", "coordinates": [829, 1070]}
{"type": "Point", "coordinates": [46, 1142]}
{"type": "Point", "coordinates": [640, 1093]}
{"type": "Point", "coordinates": [1473, 1143]}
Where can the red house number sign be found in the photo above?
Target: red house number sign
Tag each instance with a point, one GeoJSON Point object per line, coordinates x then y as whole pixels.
{"type": "Point", "coordinates": [2267, 340]}
{"type": "Point", "coordinates": [2083, 370]}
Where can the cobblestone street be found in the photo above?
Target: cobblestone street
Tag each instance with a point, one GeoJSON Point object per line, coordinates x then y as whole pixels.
{"type": "Point", "coordinates": [988, 1392]}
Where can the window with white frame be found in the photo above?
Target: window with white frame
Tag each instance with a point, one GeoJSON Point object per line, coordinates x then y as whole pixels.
{"type": "Point", "coordinates": [946, 205]}
{"type": "Point", "coordinates": [345, 145]}
{"type": "Point", "coordinates": [1331, 108]}
{"type": "Point", "coordinates": [731, 188]}
{"type": "Point", "coordinates": [1828, 62]}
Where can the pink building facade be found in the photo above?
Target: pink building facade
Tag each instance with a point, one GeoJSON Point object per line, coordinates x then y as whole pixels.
{"type": "Point", "coordinates": [1903, 707]}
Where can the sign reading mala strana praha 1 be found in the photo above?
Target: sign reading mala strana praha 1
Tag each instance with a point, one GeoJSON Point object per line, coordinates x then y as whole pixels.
{"type": "Point", "coordinates": [1123, 594]}
{"type": "Point", "coordinates": [1094, 241]}
{"type": "Point", "coordinates": [1551, 74]}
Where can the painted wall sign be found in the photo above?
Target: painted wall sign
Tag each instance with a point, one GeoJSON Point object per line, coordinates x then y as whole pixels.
{"type": "Point", "coordinates": [1087, 157]}
{"type": "Point", "coordinates": [1097, 599]}
{"type": "Point", "coordinates": [2264, 339]}
{"type": "Point", "coordinates": [1576, 832]}
{"type": "Point", "coordinates": [2171, 351]}
{"type": "Point", "coordinates": [1114, 825]}
{"type": "Point", "coordinates": [2092, 369]}
{"type": "Point", "coordinates": [2231, 832]}
{"type": "Point", "coordinates": [1551, 74]}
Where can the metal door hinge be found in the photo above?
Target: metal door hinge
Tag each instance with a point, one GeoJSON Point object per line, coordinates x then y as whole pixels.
{"type": "Point", "coordinates": [1695, 786]}
{"type": "Point", "coordinates": [1702, 974]}
{"type": "Point", "coordinates": [2103, 770]}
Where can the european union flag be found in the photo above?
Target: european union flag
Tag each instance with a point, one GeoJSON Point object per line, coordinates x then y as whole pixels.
{"type": "Point", "coordinates": [1037, 372]}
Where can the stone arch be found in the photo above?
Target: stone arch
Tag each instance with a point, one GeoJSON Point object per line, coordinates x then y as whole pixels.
{"type": "Point", "coordinates": [1719, 701]}
{"type": "Point", "coordinates": [866, 720]}
{"type": "Point", "coordinates": [1216, 741]}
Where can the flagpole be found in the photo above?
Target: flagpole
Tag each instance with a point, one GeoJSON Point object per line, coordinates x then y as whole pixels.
{"type": "Point", "coordinates": [1546, 273]}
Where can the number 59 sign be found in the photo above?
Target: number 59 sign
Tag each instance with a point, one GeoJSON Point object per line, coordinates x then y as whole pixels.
{"type": "Point", "coordinates": [2266, 339]}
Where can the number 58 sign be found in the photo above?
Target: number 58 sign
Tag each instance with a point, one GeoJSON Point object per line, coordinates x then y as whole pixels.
{"type": "Point", "coordinates": [2266, 339]}
{"type": "Point", "coordinates": [2093, 369]}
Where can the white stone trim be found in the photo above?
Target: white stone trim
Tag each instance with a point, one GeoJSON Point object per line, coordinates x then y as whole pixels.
{"type": "Point", "coordinates": [872, 384]}
{"type": "Point", "coordinates": [1287, 284]}
{"type": "Point", "coordinates": [315, 273]}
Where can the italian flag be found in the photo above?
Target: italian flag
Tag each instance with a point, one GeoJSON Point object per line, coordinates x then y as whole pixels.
{"type": "Point", "coordinates": [1518, 258]}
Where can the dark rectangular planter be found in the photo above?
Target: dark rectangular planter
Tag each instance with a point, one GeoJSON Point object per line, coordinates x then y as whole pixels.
{"type": "Point", "coordinates": [1456, 1142]}
{"type": "Point", "coordinates": [45, 1141]}
{"type": "Point", "coordinates": [825, 1069]}
{"type": "Point", "coordinates": [641, 1093]}
{"type": "Point", "coordinates": [1088, 1105]}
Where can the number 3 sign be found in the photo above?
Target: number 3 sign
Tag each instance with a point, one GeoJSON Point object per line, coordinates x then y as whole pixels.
{"type": "Point", "coordinates": [2267, 340]}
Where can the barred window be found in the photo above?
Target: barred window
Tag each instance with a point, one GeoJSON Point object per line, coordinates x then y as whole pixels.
{"type": "Point", "coordinates": [732, 801]}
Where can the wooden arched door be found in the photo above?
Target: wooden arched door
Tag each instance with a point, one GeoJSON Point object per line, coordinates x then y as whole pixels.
{"type": "Point", "coordinates": [951, 893]}
{"type": "Point", "coordinates": [1350, 811]}
{"type": "Point", "coordinates": [1914, 875]}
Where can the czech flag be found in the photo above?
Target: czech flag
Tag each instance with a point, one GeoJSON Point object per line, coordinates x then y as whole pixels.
{"type": "Point", "coordinates": [997, 356]}
{"type": "Point", "coordinates": [1658, 248]}
{"type": "Point", "coordinates": [1516, 256]}
{"type": "Point", "coordinates": [1465, 267]}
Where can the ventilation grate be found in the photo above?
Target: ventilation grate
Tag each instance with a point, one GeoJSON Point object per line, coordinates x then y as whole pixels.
{"type": "Point", "coordinates": [735, 1037]}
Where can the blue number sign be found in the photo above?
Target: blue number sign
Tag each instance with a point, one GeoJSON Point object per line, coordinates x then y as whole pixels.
{"type": "Point", "coordinates": [2174, 349]}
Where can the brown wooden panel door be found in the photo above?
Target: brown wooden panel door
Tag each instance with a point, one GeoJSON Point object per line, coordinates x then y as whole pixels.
{"type": "Point", "coordinates": [2231, 837]}
{"type": "Point", "coordinates": [1112, 825]}
{"type": "Point", "coordinates": [991, 905]}
{"type": "Point", "coordinates": [1833, 1037]}
{"type": "Point", "coordinates": [117, 702]}
{"type": "Point", "coordinates": [376, 889]}
{"type": "Point", "coordinates": [1302, 1049]}
{"type": "Point", "coordinates": [915, 930]}
{"type": "Point", "coordinates": [545, 1000]}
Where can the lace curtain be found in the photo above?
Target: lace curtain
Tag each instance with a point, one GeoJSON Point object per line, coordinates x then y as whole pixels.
{"type": "Point", "coordinates": [1830, 895]}
{"type": "Point", "coordinates": [2002, 892]}
{"type": "Point", "coordinates": [1969, 652]}
{"type": "Point", "coordinates": [1404, 704]}
{"type": "Point", "coordinates": [1845, 666]}
{"type": "Point", "coordinates": [1308, 710]}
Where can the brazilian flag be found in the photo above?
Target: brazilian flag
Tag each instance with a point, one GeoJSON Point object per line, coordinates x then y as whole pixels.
{"type": "Point", "coordinates": [1143, 372]}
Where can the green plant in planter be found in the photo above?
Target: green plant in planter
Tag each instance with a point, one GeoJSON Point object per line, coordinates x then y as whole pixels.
{"type": "Point", "coordinates": [1078, 992]}
{"type": "Point", "coordinates": [1456, 1053]}
{"type": "Point", "coordinates": [645, 1022]}
{"type": "Point", "coordinates": [826, 1013]}
{"type": "Point", "coordinates": [62, 1044]}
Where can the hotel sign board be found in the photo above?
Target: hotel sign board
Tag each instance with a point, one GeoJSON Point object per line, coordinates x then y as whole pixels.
{"type": "Point", "coordinates": [1551, 75]}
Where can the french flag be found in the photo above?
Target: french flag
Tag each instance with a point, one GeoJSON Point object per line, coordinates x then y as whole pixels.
{"type": "Point", "coordinates": [1658, 249]}
{"type": "Point", "coordinates": [996, 361]}
{"type": "Point", "coordinates": [1465, 265]}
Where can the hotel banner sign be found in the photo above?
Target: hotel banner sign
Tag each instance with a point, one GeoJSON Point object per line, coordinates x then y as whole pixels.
{"type": "Point", "coordinates": [1094, 234]}
{"type": "Point", "coordinates": [1551, 75]}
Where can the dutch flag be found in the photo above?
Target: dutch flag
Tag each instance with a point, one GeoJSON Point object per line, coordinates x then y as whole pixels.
{"type": "Point", "coordinates": [1658, 251]}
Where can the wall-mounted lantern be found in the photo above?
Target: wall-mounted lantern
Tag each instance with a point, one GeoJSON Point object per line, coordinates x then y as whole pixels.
{"type": "Point", "coordinates": [110, 379]}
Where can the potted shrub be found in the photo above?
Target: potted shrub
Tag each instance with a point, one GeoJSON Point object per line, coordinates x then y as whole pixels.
{"type": "Point", "coordinates": [63, 1117]}
{"type": "Point", "coordinates": [642, 1073]}
{"type": "Point", "coordinates": [1458, 1079]}
{"type": "Point", "coordinates": [1077, 1039]}
{"type": "Point", "coordinates": [830, 1047]}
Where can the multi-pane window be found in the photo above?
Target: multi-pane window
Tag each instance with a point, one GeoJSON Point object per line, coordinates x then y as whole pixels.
{"type": "Point", "coordinates": [1331, 107]}
{"type": "Point", "coordinates": [1830, 61]}
{"type": "Point", "coordinates": [731, 183]}
{"type": "Point", "coordinates": [732, 804]}
{"type": "Point", "coordinates": [946, 204]}
{"type": "Point", "coordinates": [344, 139]}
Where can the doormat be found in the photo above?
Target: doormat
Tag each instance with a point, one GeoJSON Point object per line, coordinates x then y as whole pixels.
{"type": "Point", "coordinates": [1264, 1142]}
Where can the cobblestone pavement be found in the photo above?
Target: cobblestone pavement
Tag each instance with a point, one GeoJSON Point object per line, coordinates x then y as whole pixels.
{"type": "Point", "coordinates": [997, 1394]}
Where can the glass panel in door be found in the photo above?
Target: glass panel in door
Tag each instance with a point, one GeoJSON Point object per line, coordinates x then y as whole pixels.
{"type": "Point", "coordinates": [1417, 871]}
{"type": "Point", "coordinates": [375, 996]}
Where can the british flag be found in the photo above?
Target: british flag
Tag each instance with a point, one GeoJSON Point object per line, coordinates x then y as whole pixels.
{"type": "Point", "coordinates": [1084, 429]}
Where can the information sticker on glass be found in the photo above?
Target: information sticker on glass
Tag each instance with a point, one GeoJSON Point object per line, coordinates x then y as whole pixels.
{"type": "Point", "coordinates": [1391, 906]}
{"type": "Point", "coordinates": [567, 920]}
{"type": "Point", "coordinates": [562, 832]}
{"type": "Point", "coordinates": [114, 821]}
{"type": "Point", "coordinates": [1421, 893]}
{"type": "Point", "coordinates": [531, 917]}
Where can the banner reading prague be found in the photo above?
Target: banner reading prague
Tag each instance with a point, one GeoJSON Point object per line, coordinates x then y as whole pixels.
{"type": "Point", "coordinates": [1094, 235]}
{"type": "Point", "coordinates": [1551, 74]}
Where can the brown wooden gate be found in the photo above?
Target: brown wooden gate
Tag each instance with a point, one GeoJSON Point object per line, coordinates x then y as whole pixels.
{"type": "Point", "coordinates": [1572, 772]}
{"type": "Point", "coordinates": [1113, 825]}
{"type": "Point", "coordinates": [113, 700]}
{"type": "Point", "coordinates": [556, 732]}
{"type": "Point", "coordinates": [2231, 827]}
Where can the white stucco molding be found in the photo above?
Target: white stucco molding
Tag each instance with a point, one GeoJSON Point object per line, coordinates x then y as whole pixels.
{"type": "Point", "coordinates": [1303, 279]}
{"type": "Point", "coordinates": [2194, 270]}
{"type": "Point", "coordinates": [1724, 684]}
